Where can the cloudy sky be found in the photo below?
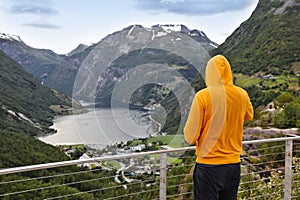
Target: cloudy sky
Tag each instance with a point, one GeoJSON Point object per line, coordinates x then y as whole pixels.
{"type": "Point", "coordinates": [60, 25]}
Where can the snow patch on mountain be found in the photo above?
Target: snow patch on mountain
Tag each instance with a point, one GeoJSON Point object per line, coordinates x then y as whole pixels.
{"type": "Point", "coordinates": [158, 34]}
{"type": "Point", "coordinates": [10, 37]}
{"type": "Point", "coordinates": [132, 28]}
{"type": "Point", "coordinates": [202, 34]}
{"type": "Point", "coordinates": [171, 27]}
{"type": "Point", "coordinates": [165, 29]}
{"type": "Point", "coordinates": [19, 115]}
{"type": "Point", "coordinates": [87, 44]}
{"type": "Point", "coordinates": [177, 39]}
{"type": "Point", "coordinates": [213, 45]}
{"type": "Point", "coordinates": [12, 113]}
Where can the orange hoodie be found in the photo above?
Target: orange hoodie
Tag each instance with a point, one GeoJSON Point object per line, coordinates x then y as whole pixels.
{"type": "Point", "coordinates": [217, 115]}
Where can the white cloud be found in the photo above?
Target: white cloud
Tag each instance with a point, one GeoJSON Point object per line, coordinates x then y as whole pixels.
{"type": "Point", "coordinates": [194, 7]}
{"type": "Point", "coordinates": [37, 7]}
{"type": "Point", "coordinates": [41, 25]}
{"type": "Point", "coordinates": [171, 1]}
{"type": "Point", "coordinates": [33, 13]}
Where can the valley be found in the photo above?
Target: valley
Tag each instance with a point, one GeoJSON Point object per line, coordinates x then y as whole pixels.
{"type": "Point", "coordinates": [140, 82]}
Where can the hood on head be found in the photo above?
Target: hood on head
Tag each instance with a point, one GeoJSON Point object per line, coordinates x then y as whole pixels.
{"type": "Point", "coordinates": [218, 72]}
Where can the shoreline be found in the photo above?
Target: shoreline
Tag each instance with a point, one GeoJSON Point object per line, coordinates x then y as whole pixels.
{"type": "Point", "coordinates": [157, 124]}
{"type": "Point", "coordinates": [99, 128]}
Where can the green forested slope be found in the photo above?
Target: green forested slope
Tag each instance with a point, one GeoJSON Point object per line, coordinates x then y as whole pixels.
{"type": "Point", "coordinates": [24, 99]}
{"type": "Point", "coordinates": [264, 54]}
{"type": "Point", "coordinates": [18, 149]}
{"type": "Point", "coordinates": [268, 41]}
{"type": "Point", "coordinates": [24, 110]}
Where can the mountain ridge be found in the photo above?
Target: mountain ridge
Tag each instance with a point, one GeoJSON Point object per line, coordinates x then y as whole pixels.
{"type": "Point", "coordinates": [59, 71]}
{"type": "Point", "coordinates": [123, 43]}
{"type": "Point", "coordinates": [43, 64]}
{"type": "Point", "coordinates": [268, 41]}
{"type": "Point", "coordinates": [25, 103]}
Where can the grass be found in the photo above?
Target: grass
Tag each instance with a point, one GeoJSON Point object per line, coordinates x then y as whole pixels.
{"type": "Point", "coordinates": [112, 164]}
{"type": "Point", "coordinates": [61, 110]}
{"type": "Point", "coordinates": [277, 83]}
{"type": "Point", "coordinates": [175, 141]}
{"type": "Point", "coordinates": [136, 142]}
{"type": "Point", "coordinates": [170, 159]}
{"type": "Point", "coordinates": [74, 146]}
{"type": "Point", "coordinates": [246, 81]}
{"type": "Point", "coordinates": [168, 139]}
{"type": "Point", "coordinates": [296, 68]}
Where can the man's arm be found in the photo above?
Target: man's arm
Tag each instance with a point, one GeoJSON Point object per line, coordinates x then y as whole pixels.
{"type": "Point", "coordinates": [193, 124]}
{"type": "Point", "coordinates": [249, 109]}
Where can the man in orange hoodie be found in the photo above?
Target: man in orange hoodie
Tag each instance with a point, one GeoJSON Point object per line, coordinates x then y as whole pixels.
{"type": "Point", "coordinates": [215, 125]}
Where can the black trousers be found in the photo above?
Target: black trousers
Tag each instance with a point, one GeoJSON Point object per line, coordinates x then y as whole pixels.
{"type": "Point", "coordinates": [216, 182]}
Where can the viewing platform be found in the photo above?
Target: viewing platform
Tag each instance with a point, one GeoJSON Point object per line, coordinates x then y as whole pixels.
{"type": "Point", "coordinates": [270, 170]}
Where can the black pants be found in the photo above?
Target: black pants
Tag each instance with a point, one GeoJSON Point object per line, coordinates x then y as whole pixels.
{"type": "Point", "coordinates": [216, 182]}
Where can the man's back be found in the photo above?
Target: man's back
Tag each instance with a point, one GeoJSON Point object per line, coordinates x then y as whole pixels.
{"type": "Point", "coordinates": [215, 124]}
{"type": "Point", "coordinates": [217, 115]}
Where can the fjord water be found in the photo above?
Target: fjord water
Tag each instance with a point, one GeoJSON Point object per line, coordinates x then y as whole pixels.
{"type": "Point", "coordinates": [100, 127]}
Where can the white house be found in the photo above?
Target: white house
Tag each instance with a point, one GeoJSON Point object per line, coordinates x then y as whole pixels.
{"type": "Point", "coordinates": [88, 165]}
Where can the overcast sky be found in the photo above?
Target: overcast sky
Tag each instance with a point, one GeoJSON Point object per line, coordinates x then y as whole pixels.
{"type": "Point", "coordinates": [60, 25]}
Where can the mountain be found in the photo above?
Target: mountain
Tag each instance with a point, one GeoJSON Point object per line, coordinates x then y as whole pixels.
{"type": "Point", "coordinates": [26, 109]}
{"type": "Point", "coordinates": [264, 51]}
{"type": "Point", "coordinates": [53, 70]}
{"type": "Point", "coordinates": [26, 105]}
{"type": "Point", "coordinates": [268, 42]}
{"type": "Point", "coordinates": [145, 67]}
{"type": "Point", "coordinates": [80, 48]}
{"type": "Point", "coordinates": [59, 71]}
{"type": "Point", "coordinates": [197, 35]}
{"type": "Point", "coordinates": [65, 72]}
{"type": "Point", "coordinates": [120, 52]}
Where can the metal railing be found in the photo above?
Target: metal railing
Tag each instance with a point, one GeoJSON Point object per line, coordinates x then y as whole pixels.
{"type": "Point", "coordinates": [270, 170]}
